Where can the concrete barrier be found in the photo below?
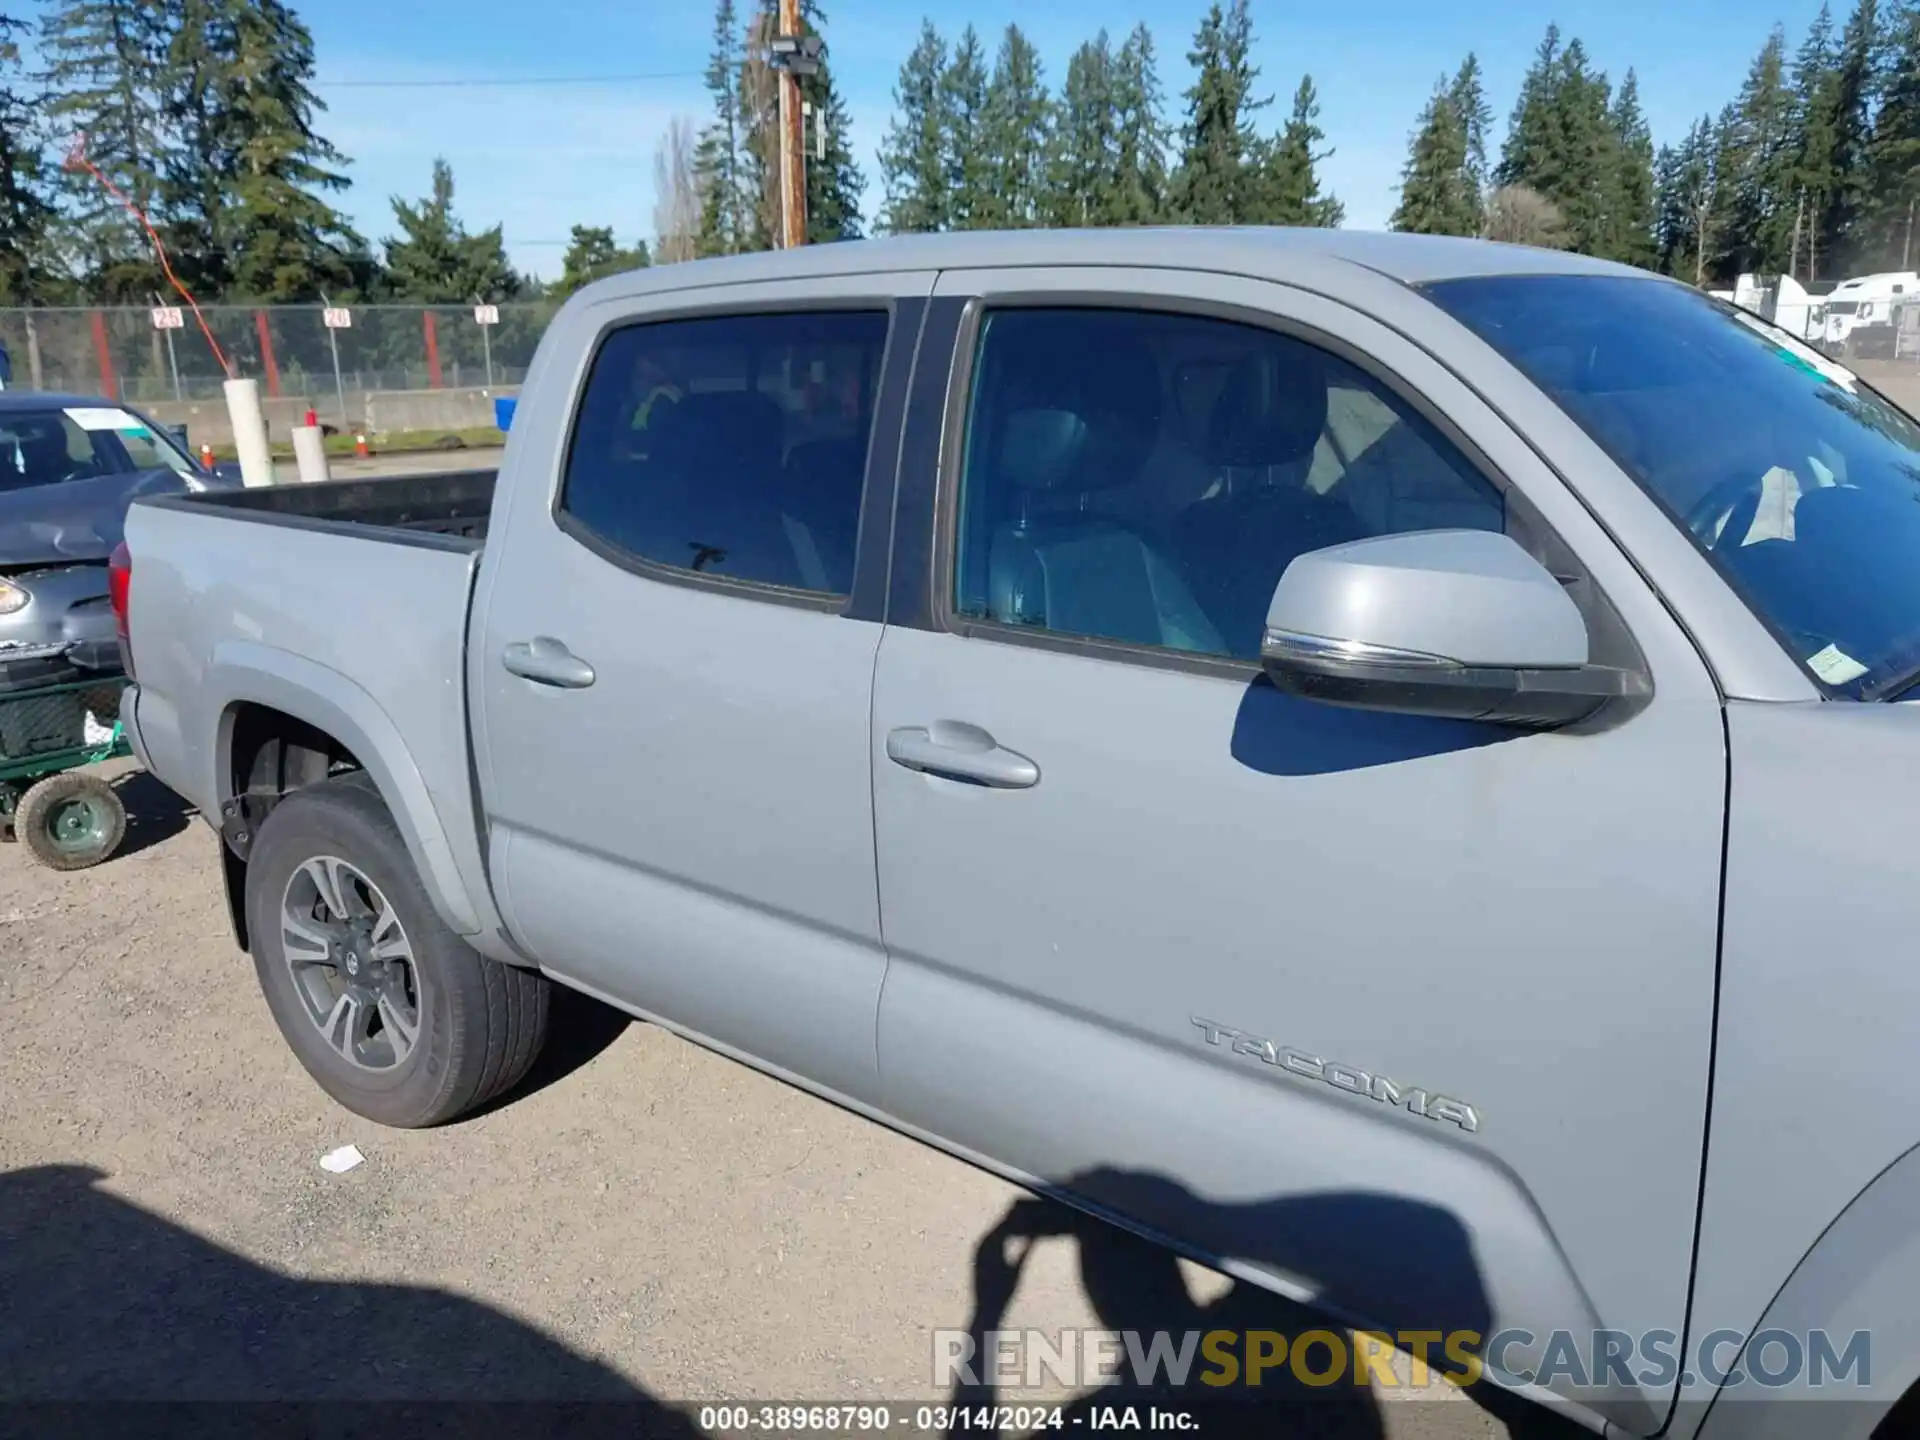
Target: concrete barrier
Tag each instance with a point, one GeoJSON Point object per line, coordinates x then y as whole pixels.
{"type": "Point", "coordinates": [377, 412]}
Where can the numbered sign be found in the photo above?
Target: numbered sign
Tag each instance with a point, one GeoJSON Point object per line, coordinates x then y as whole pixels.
{"type": "Point", "coordinates": [337, 317]}
{"type": "Point", "coordinates": [486, 314]}
{"type": "Point", "coordinates": [168, 317]}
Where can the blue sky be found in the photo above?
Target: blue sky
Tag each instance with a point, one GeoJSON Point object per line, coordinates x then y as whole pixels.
{"type": "Point", "coordinates": [541, 158]}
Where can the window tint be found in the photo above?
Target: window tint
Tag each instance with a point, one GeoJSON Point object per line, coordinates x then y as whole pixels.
{"type": "Point", "coordinates": [1147, 478]}
{"type": "Point", "coordinates": [732, 446]}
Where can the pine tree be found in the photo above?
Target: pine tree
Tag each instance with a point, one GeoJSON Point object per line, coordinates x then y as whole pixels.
{"type": "Point", "coordinates": [285, 241]}
{"type": "Point", "coordinates": [834, 181]}
{"type": "Point", "coordinates": [1215, 182]}
{"type": "Point", "coordinates": [963, 140]}
{"type": "Point", "coordinates": [1815, 84]}
{"type": "Point", "coordinates": [593, 254]}
{"type": "Point", "coordinates": [1470, 104]}
{"type": "Point", "coordinates": [1894, 154]}
{"type": "Point", "coordinates": [1562, 144]}
{"type": "Point", "coordinates": [913, 157]}
{"type": "Point", "coordinates": [197, 216]}
{"type": "Point", "coordinates": [1085, 144]}
{"type": "Point", "coordinates": [1841, 229]}
{"type": "Point", "coordinates": [757, 128]}
{"type": "Point", "coordinates": [716, 159]}
{"type": "Point", "coordinates": [1630, 208]}
{"type": "Point", "coordinates": [104, 60]}
{"type": "Point", "coordinates": [434, 261]}
{"type": "Point", "coordinates": [1434, 196]}
{"type": "Point", "coordinates": [1138, 194]}
{"type": "Point", "coordinates": [1690, 203]}
{"type": "Point", "coordinates": [26, 213]}
{"type": "Point", "coordinates": [1581, 181]}
{"type": "Point", "coordinates": [1289, 187]}
{"type": "Point", "coordinates": [1018, 132]}
{"type": "Point", "coordinates": [1532, 146]}
{"type": "Point", "coordinates": [1759, 167]}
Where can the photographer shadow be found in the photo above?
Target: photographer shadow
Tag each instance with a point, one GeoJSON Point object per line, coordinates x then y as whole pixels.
{"type": "Point", "coordinates": [1136, 1285]}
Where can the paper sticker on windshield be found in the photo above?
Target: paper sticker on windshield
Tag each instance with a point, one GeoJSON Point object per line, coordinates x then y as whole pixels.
{"type": "Point", "coordinates": [104, 417]}
{"type": "Point", "coordinates": [1835, 666]}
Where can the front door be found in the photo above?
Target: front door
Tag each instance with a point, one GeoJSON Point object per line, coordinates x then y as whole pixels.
{"type": "Point", "coordinates": [1406, 1017]}
{"type": "Point", "coordinates": [672, 666]}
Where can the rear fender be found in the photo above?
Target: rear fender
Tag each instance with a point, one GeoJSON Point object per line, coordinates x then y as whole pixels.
{"type": "Point", "coordinates": [244, 671]}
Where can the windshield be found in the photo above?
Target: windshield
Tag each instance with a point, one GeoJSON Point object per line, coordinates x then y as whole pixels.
{"type": "Point", "coordinates": [1798, 482]}
{"type": "Point", "coordinates": [54, 445]}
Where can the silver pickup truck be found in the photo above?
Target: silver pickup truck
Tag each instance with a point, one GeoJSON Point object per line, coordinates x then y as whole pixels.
{"type": "Point", "coordinates": [1372, 760]}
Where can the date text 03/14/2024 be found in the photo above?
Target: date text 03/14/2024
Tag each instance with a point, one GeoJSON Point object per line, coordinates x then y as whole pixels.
{"type": "Point", "coordinates": [777, 1420]}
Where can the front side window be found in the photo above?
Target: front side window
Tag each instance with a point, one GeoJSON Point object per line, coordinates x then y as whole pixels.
{"type": "Point", "coordinates": [1146, 477]}
{"type": "Point", "coordinates": [1796, 480]}
{"type": "Point", "coordinates": [734, 446]}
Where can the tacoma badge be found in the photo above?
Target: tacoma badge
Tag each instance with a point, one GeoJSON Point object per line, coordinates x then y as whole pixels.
{"type": "Point", "coordinates": [1349, 1078]}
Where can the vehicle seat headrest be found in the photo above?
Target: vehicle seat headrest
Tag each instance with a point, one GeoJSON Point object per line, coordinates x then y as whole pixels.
{"type": "Point", "coordinates": [1080, 400]}
{"type": "Point", "coordinates": [1271, 411]}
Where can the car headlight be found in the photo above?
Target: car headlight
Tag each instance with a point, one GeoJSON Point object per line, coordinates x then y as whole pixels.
{"type": "Point", "coordinates": [12, 598]}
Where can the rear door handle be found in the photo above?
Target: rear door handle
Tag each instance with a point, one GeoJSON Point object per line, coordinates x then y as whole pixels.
{"type": "Point", "coordinates": [958, 751]}
{"type": "Point", "coordinates": [545, 661]}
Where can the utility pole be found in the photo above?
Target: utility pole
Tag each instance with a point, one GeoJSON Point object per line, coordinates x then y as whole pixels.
{"type": "Point", "coordinates": [1906, 245]}
{"type": "Point", "coordinates": [793, 55]}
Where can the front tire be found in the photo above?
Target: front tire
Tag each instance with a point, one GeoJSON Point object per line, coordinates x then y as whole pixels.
{"type": "Point", "coordinates": [391, 1012]}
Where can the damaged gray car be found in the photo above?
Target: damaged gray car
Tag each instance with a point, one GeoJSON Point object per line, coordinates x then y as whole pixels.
{"type": "Point", "coordinates": [69, 468]}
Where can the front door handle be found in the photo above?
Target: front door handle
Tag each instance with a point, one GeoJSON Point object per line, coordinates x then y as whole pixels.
{"type": "Point", "coordinates": [955, 750]}
{"type": "Point", "coordinates": [545, 661]}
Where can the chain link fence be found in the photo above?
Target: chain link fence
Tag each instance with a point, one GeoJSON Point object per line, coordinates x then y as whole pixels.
{"type": "Point", "coordinates": [339, 361]}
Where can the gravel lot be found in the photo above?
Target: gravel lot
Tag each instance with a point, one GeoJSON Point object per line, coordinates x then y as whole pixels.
{"type": "Point", "coordinates": [642, 1219]}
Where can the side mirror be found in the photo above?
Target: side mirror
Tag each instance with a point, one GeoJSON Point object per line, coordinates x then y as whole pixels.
{"type": "Point", "coordinates": [1456, 623]}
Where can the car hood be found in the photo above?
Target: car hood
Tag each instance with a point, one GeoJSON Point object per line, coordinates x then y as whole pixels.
{"type": "Point", "coordinates": [76, 519]}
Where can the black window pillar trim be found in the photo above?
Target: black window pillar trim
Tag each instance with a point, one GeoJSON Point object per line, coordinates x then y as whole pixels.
{"type": "Point", "coordinates": [910, 598]}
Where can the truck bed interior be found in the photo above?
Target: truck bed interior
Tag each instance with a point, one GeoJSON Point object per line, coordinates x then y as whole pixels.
{"type": "Point", "coordinates": [453, 503]}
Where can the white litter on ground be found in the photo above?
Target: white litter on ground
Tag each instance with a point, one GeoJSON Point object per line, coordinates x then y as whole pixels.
{"type": "Point", "coordinates": [338, 1162]}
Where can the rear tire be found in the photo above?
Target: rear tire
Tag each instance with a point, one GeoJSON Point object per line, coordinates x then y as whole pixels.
{"type": "Point", "coordinates": [441, 1029]}
{"type": "Point", "coordinates": [70, 821]}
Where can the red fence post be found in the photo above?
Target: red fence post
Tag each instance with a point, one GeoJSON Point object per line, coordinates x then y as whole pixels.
{"type": "Point", "coordinates": [266, 351]}
{"type": "Point", "coordinates": [103, 352]}
{"type": "Point", "coordinates": [432, 329]}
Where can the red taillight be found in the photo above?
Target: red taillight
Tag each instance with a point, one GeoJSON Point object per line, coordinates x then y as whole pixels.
{"type": "Point", "coordinates": [120, 592]}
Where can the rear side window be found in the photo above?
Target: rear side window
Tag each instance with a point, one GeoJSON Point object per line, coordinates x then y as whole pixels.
{"type": "Point", "coordinates": [733, 446]}
{"type": "Point", "coordinates": [1146, 477]}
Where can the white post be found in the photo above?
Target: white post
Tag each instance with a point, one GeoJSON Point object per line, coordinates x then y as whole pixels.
{"type": "Point", "coordinates": [249, 431]}
{"type": "Point", "coordinates": [310, 453]}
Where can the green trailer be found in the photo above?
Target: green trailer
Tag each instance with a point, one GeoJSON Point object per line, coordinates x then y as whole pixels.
{"type": "Point", "coordinates": [68, 816]}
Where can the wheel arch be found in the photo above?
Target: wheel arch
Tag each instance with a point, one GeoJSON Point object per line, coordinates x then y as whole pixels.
{"type": "Point", "coordinates": [1859, 1279]}
{"type": "Point", "coordinates": [287, 723]}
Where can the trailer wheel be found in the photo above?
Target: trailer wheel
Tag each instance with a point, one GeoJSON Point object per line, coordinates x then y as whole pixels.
{"type": "Point", "coordinates": [70, 821]}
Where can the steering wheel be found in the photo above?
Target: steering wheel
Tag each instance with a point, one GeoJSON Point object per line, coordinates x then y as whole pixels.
{"type": "Point", "coordinates": [1743, 493]}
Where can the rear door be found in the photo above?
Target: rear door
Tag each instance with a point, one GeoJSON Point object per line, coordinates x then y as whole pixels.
{"type": "Point", "coordinates": [673, 655]}
{"type": "Point", "coordinates": [1407, 1017]}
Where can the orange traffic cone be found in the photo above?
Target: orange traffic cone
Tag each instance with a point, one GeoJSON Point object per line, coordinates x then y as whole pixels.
{"type": "Point", "coordinates": [360, 446]}
{"type": "Point", "coordinates": [206, 457]}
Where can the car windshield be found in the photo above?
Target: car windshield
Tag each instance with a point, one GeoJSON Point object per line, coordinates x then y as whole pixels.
{"type": "Point", "coordinates": [60, 443]}
{"type": "Point", "coordinates": [1797, 480]}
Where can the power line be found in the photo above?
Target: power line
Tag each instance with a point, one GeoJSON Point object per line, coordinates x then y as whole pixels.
{"type": "Point", "coordinates": [479, 81]}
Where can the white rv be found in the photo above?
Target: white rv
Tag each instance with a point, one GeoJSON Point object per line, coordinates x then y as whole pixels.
{"type": "Point", "coordinates": [1860, 312]}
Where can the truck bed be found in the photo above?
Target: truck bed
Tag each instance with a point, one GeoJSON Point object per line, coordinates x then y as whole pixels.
{"type": "Point", "coordinates": [453, 503]}
{"type": "Point", "coordinates": [344, 603]}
